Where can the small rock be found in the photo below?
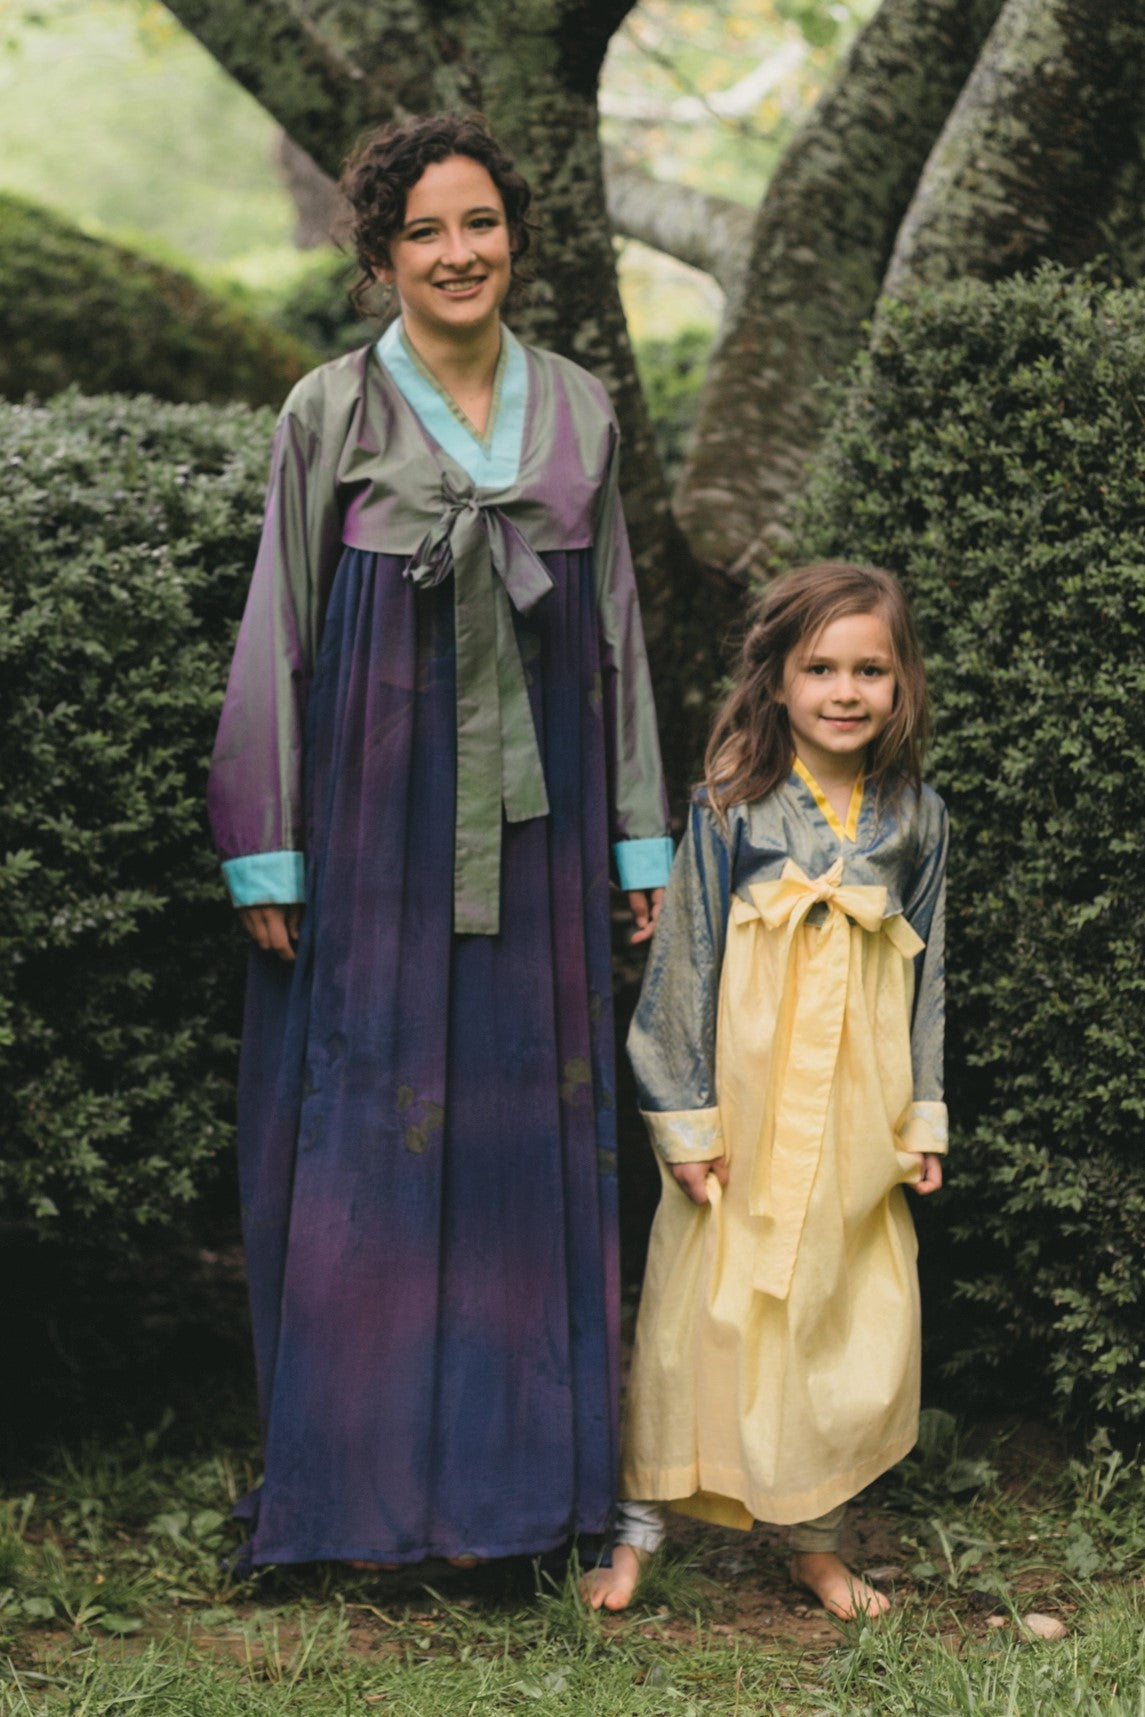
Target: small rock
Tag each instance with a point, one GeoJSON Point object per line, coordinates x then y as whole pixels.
{"type": "Point", "coordinates": [995, 1621]}
{"type": "Point", "coordinates": [884, 1571]}
{"type": "Point", "coordinates": [1044, 1627]}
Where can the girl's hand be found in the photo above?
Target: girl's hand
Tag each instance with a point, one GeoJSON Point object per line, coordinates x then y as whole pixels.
{"type": "Point", "coordinates": [645, 904]}
{"type": "Point", "coordinates": [930, 1180]}
{"type": "Point", "coordinates": [274, 928]}
{"type": "Point", "coordinates": [693, 1177]}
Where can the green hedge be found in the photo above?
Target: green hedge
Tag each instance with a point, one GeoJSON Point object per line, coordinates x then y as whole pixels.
{"type": "Point", "coordinates": [990, 447]}
{"type": "Point", "coordinates": [315, 308]}
{"type": "Point", "coordinates": [74, 309]}
{"type": "Point", "coordinates": [672, 374]}
{"type": "Point", "coordinates": [126, 538]}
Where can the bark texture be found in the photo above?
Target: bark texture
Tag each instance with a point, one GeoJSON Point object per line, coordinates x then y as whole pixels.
{"type": "Point", "coordinates": [822, 240]}
{"type": "Point", "coordinates": [709, 233]}
{"type": "Point", "coordinates": [1037, 148]}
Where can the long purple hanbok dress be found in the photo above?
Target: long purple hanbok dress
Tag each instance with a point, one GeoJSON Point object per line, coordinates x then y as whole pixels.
{"type": "Point", "coordinates": [437, 721]}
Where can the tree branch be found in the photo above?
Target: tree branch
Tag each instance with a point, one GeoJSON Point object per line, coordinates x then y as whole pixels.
{"type": "Point", "coordinates": [823, 236]}
{"type": "Point", "coordinates": [313, 86]}
{"type": "Point", "coordinates": [698, 109]}
{"type": "Point", "coordinates": [1031, 159]}
{"type": "Point", "coordinates": [584, 32]}
{"type": "Point", "coordinates": [709, 233]}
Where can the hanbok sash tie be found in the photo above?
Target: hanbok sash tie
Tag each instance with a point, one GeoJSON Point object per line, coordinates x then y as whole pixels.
{"type": "Point", "coordinates": [498, 761]}
{"type": "Point", "coordinates": [795, 1110]}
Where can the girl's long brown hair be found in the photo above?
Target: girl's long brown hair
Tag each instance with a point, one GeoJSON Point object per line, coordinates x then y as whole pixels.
{"type": "Point", "coordinates": [750, 751]}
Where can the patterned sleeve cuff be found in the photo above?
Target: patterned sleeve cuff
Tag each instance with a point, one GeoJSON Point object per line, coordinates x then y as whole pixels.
{"type": "Point", "coordinates": [685, 1135]}
{"type": "Point", "coordinates": [266, 879]}
{"type": "Point", "coordinates": [922, 1128]}
{"type": "Point", "coordinates": [645, 863]}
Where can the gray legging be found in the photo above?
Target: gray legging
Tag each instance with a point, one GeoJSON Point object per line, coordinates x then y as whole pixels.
{"type": "Point", "coordinates": [641, 1524]}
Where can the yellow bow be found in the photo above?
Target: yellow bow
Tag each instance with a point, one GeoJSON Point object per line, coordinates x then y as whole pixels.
{"type": "Point", "coordinates": [795, 1112]}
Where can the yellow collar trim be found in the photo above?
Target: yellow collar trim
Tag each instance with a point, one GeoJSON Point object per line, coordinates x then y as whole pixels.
{"type": "Point", "coordinates": [846, 831]}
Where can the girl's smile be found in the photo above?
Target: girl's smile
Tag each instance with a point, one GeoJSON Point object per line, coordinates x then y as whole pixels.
{"type": "Point", "coordinates": [839, 692]}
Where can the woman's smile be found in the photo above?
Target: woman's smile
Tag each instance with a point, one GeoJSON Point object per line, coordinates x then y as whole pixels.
{"type": "Point", "coordinates": [451, 262]}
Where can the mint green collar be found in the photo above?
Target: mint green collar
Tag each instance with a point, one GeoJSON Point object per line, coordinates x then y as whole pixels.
{"type": "Point", "coordinates": [492, 462]}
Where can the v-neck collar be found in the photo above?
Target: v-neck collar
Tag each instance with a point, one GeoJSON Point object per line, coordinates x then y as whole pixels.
{"type": "Point", "coordinates": [847, 831]}
{"type": "Point", "coordinates": [492, 460]}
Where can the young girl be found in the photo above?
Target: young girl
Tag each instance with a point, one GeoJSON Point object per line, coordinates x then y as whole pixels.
{"type": "Point", "coordinates": [788, 1054]}
{"type": "Point", "coordinates": [438, 720]}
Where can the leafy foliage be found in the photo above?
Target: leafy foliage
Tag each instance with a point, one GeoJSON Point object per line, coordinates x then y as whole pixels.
{"type": "Point", "coordinates": [990, 449]}
{"type": "Point", "coordinates": [315, 307]}
{"type": "Point", "coordinates": [672, 373]}
{"type": "Point", "coordinates": [125, 543]}
{"type": "Point", "coordinates": [74, 309]}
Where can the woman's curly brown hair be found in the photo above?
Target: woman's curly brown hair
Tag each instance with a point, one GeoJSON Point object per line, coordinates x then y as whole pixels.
{"type": "Point", "coordinates": [386, 164]}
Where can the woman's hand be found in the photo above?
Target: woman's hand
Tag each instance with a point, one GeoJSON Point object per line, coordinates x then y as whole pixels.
{"type": "Point", "coordinates": [274, 928]}
{"type": "Point", "coordinates": [693, 1177]}
{"type": "Point", "coordinates": [645, 904]}
{"type": "Point", "coordinates": [930, 1180]}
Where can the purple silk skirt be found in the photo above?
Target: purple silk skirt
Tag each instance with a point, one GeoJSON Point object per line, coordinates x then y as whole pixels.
{"type": "Point", "coordinates": [427, 1144]}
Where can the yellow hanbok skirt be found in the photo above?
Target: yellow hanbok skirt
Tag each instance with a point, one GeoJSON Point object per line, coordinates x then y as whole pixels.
{"type": "Point", "coordinates": [777, 1357]}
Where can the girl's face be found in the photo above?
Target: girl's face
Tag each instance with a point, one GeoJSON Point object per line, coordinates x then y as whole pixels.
{"type": "Point", "coordinates": [451, 262]}
{"type": "Point", "coordinates": [839, 692]}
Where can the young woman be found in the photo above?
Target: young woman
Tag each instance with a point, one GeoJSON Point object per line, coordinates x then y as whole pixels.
{"type": "Point", "coordinates": [788, 1054]}
{"type": "Point", "coordinates": [438, 719]}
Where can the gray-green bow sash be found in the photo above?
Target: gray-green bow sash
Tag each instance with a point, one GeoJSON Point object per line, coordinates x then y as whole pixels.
{"type": "Point", "coordinates": [498, 762]}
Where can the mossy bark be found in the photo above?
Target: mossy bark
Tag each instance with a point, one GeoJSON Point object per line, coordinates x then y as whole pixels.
{"type": "Point", "coordinates": [1037, 149]}
{"type": "Point", "coordinates": [822, 240]}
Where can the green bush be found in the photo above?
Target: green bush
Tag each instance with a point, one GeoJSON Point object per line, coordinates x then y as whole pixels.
{"type": "Point", "coordinates": [315, 308]}
{"type": "Point", "coordinates": [126, 539]}
{"type": "Point", "coordinates": [76, 310]}
{"type": "Point", "coordinates": [990, 448]}
{"type": "Point", "coordinates": [672, 373]}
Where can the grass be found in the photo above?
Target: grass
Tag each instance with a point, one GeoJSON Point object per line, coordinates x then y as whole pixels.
{"type": "Point", "coordinates": [117, 1595]}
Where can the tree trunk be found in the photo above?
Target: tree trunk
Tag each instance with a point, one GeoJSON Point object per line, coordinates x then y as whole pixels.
{"type": "Point", "coordinates": [1032, 157]}
{"type": "Point", "coordinates": [822, 240]}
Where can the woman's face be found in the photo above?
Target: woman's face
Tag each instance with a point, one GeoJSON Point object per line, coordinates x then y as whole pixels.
{"type": "Point", "coordinates": [450, 262]}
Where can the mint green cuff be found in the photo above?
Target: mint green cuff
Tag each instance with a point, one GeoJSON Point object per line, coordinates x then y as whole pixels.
{"type": "Point", "coordinates": [645, 863]}
{"type": "Point", "coordinates": [266, 879]}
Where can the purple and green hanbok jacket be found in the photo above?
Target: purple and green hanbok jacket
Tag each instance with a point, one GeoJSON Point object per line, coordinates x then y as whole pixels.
{"type": "Point", "coordinates": [438, 727]}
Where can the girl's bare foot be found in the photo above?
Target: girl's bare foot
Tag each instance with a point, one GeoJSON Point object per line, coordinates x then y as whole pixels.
{"type": "Point", "coordinates": [374, 1567]}
{"type": "Point", "coordinates": [843, 1593]}
{"type": "Point", "coordinates": [466, 1562]}
{"type": "Point", "coordinates": [612, 1588]}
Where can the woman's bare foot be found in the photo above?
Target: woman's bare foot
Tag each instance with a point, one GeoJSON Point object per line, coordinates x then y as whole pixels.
{"type": "Point", "coordinates": [612, 1588]}
{"type": "Point", "coordinates": [843, 1593]}
{"type": "Point", "coordinates": [466, 1562]}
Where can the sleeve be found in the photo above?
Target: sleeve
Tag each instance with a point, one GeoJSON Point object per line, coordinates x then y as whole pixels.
{"type": "Point", "coordinates": [641, 844]}
{"type": "Point", "coordinates": [672, 1041]}
{"type": "Point", "coordinates": [254, 796]}
{"type": "Point", "coordinates": [924, 1126]}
